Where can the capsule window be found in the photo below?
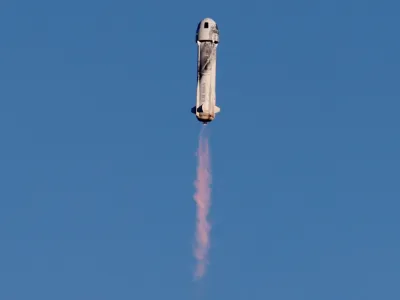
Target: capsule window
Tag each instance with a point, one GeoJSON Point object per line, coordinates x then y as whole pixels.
{"type": "Point", "coordinates": [206, 25]}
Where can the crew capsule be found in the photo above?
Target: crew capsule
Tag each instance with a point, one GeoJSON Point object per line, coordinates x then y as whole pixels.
{"type": "Point", "coordinates": [207, 31]}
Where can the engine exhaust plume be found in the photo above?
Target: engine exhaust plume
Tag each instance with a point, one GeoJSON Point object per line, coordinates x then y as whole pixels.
{"type": "Point", "coordinates": [202, 198]}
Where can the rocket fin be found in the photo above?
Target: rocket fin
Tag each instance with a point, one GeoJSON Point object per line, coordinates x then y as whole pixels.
{"type": "Point", "coordinates": [204, 107]}
{"type": "Point", "coordinates": [193, 110]}
{"type": "Point", "coordinates": [217, 109]}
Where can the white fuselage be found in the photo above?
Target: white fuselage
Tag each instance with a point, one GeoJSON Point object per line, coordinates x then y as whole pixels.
{"type": "Point", "coordinates": [207, 40]}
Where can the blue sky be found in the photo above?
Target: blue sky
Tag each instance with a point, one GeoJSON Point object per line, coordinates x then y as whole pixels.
{"type": "Point", "coordinates": [97, 156]}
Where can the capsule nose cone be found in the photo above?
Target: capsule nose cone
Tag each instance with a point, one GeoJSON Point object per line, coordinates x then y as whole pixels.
{"type": "Point", "coordinates": [209, 20]}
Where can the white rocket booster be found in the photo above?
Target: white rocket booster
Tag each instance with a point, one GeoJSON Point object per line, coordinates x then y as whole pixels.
{"type": "Point", "coordinates": [207, 39]}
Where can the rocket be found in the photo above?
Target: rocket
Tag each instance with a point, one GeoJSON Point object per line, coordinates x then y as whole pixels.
{"type": "Point", "coordinates": [207, 39]}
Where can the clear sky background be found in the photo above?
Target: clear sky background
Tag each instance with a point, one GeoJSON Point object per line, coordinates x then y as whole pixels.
{"type": "Point", "coordinates": [97, 154]}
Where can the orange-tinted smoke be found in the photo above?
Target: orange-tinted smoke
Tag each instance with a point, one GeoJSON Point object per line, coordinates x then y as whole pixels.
{"type": "Point", "coordinates": [203, 202]}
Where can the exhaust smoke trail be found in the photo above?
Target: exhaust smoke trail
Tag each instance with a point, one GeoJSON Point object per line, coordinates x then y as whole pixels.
{"type": "Point", "coordinates": [203, 203]}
